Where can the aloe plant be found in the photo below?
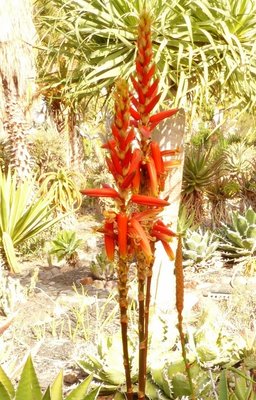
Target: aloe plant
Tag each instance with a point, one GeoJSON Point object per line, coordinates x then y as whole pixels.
{"type": "Point", "coordinates": [199, 247]}
{"type": "Point", "coordinates": [22, 215]}
{"type": "Point", "coordinates": [238, 239]}
{"type": "Point", "coordinates": [65, 246]}
{"type": "Point", "coordinates": [29, 389]}
{"type": "Point", "coordinates": [201, 170]}
{"type": "Point", "coordinates": [65, 191]}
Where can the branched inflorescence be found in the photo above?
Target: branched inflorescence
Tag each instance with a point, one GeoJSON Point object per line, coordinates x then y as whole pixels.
{"type": "Point", "coordinates": [139, 168]}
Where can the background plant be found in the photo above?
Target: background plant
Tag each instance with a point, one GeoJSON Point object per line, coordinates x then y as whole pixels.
{"type": "Point", "coordinates": [237, 239]}
{"type": "Point", "coordinates": [63, 188]}
{"type": "Point", "coordinates": [199, 248]}
{"type": "Point", "coordinates": [65, 246]}
{"type": "Point", "coordinates": [102, 268]}
{"type": "Point", "coordinates": [28, 387]}
{"type": "Point", "coordinates": [200, 171]}
{"type": "Point", "coordinates": [22, 215]}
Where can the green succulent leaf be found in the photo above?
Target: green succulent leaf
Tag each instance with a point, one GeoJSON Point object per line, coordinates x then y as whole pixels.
{"type": "Point", "coordinates": [5, 381]}
{"type": "Point", "coordinates": [56, 387]}
{"type": "Point", "coordinates": [4, 394]}
{"type": "Point", "coordinates": [28, 386]}
{"type": "Point", "coordinates": [223, 387]}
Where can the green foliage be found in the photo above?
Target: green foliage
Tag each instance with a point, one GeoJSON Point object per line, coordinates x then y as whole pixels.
{"type": "Point", "coordinates": [210, 344]}
{"type": "Point", "coordinates": [63, 188]}
{"type": "Point", "coordinates": [65, 246]}
{"type": "Point", "coordinates": [102, 268]}
{"type": "Point", "coordinates": [240, 161]}
{"type": "Point", "coordinates": [47, 148]}
{"type": "Point", "coordinates": [236, 384]}
{"type": "Point", "coordinates": [200, 138]}
{"type": "Point", "coordinates": [238, 239]}
{"type": "Point", "coordinates": [199, 247]}
{"type": "Point", "coordinates": [90, 50]}
{"type": "Point", "coordinates": [107, 364]}
{"type": "Point", "coordinates": [28, 387]}
{"type": "Point", "coordinates": [22, 215]}
{"type": "Point", "coordinates": [185, 220]}
{"type": "Point", "coordinates": [200, 172]}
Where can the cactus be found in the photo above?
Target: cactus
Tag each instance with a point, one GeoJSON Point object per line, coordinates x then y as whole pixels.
{"type": "Point", "coordinates": [238, 239]}
{"type": "Point", "coordinates": [199, 247]}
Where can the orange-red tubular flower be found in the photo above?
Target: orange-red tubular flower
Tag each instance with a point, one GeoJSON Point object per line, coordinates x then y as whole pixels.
{"type": "Point", "coordinates": [109, 240]}
{"type": "Point", "coordinates": [139, 235]}
{"type": "Point", "coordinates": [156, 118]}
{"type": "Point", "coordinates": [161, 236]}
{"type": "Point", "coordinates": [171, 164]}
{"type": "Point", "coordinates": [122, 226]}
{"type": "Point", "coordinates": [161, 227]}
{"type": "Point", "coordinates": [102, 192]}
{"type": "Point", "coordinates": [157, 157]}
{"type": "Point", "coordinates": [149, 200]}
{"type": "Point", "coordinates": [152, 176]}
{"type": "Point", "coordinates": [168, 250]}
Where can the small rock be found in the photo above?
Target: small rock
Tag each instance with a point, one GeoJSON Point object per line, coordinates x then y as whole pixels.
{"type": "Point", "coordinates": [86, 281]}
{"type": "Point", "coordinates": [70, 378]}
{"type": "Point", "coordinates": [99, 284]}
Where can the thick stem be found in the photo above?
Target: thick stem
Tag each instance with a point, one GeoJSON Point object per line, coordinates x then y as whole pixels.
{"type": "Point", "coordinates": [142, 265]}
{"type": "Point", "coordinates": [147, 304]}
{"type": "Point", "coordinates": [123, 303]}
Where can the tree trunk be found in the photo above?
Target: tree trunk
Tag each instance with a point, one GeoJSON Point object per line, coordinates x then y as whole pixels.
{"type": "Point", "coordinates": [169, 135]}
{"type": "Point", "coordinates": [17, 75]}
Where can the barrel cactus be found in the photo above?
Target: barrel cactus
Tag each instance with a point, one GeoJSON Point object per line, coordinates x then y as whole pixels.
{"type": "Point", "coordinates": [238, 239]}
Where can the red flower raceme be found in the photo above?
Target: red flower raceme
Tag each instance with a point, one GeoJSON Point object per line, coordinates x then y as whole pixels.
{"type": "Point", "coordinates": [144, 83]}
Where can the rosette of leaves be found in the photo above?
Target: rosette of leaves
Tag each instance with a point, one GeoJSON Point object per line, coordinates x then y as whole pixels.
{"type": "Point", "coordinates": [238, 239]}
{"type": "Point", "coordinates": [168, 378]}
{"type": "Point", "coordinates": [199, 247]}
{"type": "Point", "coordinates": [102, 268]}
{"type": "Point", "coordinates": [240, 161]}
{"type": "Point", "coordinates": [65, 246]}
{"type": "Point", "coordinates": [106, 364]}
{"type": "Point", "coordinates": [28, 387]}
{"type": "Point", "coordinates": [200, 171]}
{"type": "Point", "coordinates": [65, 191]}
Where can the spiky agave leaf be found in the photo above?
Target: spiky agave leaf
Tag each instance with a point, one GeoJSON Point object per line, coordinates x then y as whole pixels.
{"type": "Point", "coordinates": [238, 239]}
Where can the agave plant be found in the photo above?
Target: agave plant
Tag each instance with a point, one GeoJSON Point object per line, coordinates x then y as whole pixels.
{"type": "Point", "coordinates": [65, 192]}
{"type": "Point", "coordinates": [28, 387]}
{"type": "Point", "coordinates": [199, 247]}
{"type": "Point", "coordinates": [107, 364]}
{"type": "Point", "coordinates": [238, 239]}
{"type": "Point", "coordinates": [22, 215]}
{"type": "Point", "coordinates": [65, 246]}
